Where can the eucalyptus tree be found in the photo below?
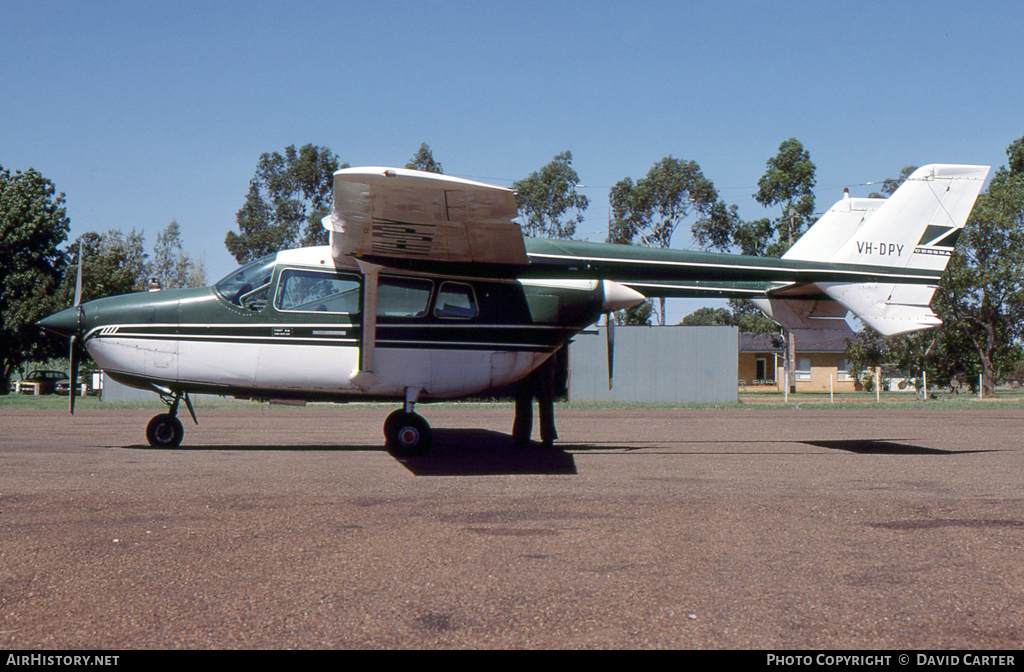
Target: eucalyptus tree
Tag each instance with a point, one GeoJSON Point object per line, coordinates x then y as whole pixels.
{"type": "Point", "coordinates": [288, 196]}
{"type": "Point", "coordinates": [548, 201]}
{"type": "Point", "coordinates": [424, 160]}
{"type": "Point", "coordinates": [650, 210]}
{"type": "Point", "coordinates": [890, 185]}
{"type": "Point", "coordinates": [172, 266]}
{"type": "Point", "coordinates": [981, 296]}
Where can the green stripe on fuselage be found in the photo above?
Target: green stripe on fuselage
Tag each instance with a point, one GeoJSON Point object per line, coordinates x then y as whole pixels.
{"type": "Point", "coordinates": [631, 263]}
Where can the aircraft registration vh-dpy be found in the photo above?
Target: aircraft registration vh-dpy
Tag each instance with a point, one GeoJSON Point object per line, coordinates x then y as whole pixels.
{"type": "Point", "coordinates": [428, 290]}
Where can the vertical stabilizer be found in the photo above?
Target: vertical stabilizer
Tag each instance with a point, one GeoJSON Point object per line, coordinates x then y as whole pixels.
{"type": "Point", "coordinates": [917, 227]}
{"type": "Point", "coordinates": [915, 230]}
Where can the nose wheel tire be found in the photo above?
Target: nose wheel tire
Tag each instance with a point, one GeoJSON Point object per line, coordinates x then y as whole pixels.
{"type": "Point", "coordinates": [165, 431]}
{"type": "Point", "coordinates": [407, 433]}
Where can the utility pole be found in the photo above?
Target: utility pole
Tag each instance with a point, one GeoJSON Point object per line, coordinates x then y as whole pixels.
{"type": "Point", "coordinates": [791, 382]}
{"type": "Point", "coordinates": [790, 336]}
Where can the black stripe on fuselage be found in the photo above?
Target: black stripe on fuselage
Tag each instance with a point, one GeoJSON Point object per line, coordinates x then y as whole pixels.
{"type": "Point", "coordinates": [425, 336]}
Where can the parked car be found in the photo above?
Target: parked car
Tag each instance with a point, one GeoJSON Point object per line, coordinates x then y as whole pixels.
{"type": "Point", "coordinates": [62, 387]}
{"type": "Point", "coordinates": [40, 382]}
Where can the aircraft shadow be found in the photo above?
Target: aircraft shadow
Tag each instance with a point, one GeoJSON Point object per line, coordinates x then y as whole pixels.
{"type": "Point", "coordinates": [267, 448]}
{"type": "Point", "coordinates": [881, 447]}
{"type": "Point", "coordinates": [456, 452]}
{"type": "Point", "coordinates": [478, 452]}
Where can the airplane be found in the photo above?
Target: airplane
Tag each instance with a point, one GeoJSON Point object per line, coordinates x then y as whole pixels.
{"type": "Point", "coordinates": [428, 290]}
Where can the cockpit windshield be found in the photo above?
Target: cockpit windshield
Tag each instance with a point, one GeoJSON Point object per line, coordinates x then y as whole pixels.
{"type": "Point", "coordinates": [248, 286]}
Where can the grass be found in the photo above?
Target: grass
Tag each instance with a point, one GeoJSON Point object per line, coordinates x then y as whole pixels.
{"type": "Point", "coordinates": [1007, 399]}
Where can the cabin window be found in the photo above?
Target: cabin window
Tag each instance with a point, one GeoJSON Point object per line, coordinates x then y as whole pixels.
{"type": "Point", "coordinates": [403, 297]}
{"type": "Point", "coordinates": [249, 285]}
{"type": "Point", "coordinates": [316, 292]}
{"type": "Point", "coordinates": [456, 301]}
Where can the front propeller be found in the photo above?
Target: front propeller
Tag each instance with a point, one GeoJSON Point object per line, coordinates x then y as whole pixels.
{"type": "Point", "coordinates": [68, 322]}
{"type": "Point", "coordinates": [610, 334]}
{"type": "Point", "coordinates": [616, 297]}
{"type": "Point", "coordinates": [73, 354]}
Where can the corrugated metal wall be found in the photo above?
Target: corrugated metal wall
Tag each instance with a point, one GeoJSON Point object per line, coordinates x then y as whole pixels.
{"type": "Point", "coordinates": [657, 364]}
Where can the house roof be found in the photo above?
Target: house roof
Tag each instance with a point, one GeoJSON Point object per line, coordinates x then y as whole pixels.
{"type": "Point", "coordinates": [807, 341]}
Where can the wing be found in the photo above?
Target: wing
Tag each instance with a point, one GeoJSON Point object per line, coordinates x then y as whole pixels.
{"type": "Point", "coordinates": [880, 258]}
{"type": "Point", "coordinates": [407, 215]}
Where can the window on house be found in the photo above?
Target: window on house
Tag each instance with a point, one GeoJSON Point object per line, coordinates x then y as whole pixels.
{"type": "Point", "coordinates": [803, 368]}
{"type": "Point", "coordinates": [843, 369]}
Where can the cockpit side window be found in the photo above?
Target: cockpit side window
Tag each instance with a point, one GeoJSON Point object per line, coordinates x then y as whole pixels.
{"type": "Point", "coordinates": [248, 286]}
{"type": "Point", "coordinates": [317, 292]}
{"type": "Point", "coordinates": [403, 297]}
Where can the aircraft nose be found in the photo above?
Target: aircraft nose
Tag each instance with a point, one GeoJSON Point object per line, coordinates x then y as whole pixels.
{"type": "Point", "coordinates": [65, 322]}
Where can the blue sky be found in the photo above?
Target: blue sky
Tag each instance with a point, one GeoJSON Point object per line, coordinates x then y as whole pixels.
{"type": "Point", "coordinates": [144, 112]}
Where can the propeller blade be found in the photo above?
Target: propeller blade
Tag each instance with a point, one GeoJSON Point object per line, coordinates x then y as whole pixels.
{"type": "Point", "coordinates": [610, 332]}
{"type": "Point", "coordinates": [74, 374]}
{"type": "Point", "coordinates": [78, 279]}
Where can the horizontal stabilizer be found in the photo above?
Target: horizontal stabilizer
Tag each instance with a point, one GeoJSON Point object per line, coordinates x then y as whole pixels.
{"type": "Point", "coordinates": [818, 312]}
{"type": "Point", "coordinates": [888, 309]}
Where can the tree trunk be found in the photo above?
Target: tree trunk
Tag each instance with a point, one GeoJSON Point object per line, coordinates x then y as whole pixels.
{"type": "Point", "coordinates": [985, 352]}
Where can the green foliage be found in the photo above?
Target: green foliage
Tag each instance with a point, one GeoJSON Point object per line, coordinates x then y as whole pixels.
{"type": "Point", "coordinates": [788, 182]}
{"type": "Point", "coordinates": [1015, 154]}
{"type": "Point", "coordinates": [286, 193]}
{"type": "Point", "coordinates": [890, 185]}
{"type": "Point", "coordinates": [639, 314]}
{"type": "Point", "coordinates": [981, 300]}
{"type": "Point", "coordinates": [863, 353]}
{"type": "Point", "coordinates": [709, 317]}
{"type": "Point", "coordinates": [424, 160]}
{"type": "Point", "coordinates": [750, 320]}
{"type": "Point", "coordinates": [171, 265]}
{"type": "Point", "coordinates": [650, 210]}
{"type": "Point", "coordinates": [112, 264]}
{"type": "Point", "coordinates": [547, 195]}
{"type": "Point", "coordinates": [742, 314]}
{"type": "Point", "coordinates": [33, 223]}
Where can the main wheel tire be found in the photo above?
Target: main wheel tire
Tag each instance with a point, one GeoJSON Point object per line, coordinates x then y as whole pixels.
{"type": "Point", "coordinates": [407, 434]}
{"type": "Point", "coordinates": [165, 431]}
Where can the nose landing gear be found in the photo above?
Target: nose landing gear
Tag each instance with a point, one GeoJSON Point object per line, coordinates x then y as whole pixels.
{"type": "Point", "coordinates": [165, 430]}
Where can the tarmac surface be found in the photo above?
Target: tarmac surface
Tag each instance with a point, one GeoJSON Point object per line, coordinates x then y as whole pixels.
{"type": "Point", "coordinates": [294, 528]}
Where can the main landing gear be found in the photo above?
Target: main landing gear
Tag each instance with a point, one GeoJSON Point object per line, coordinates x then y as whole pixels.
{"type": "Point", "coordinates": [165, 430]}
{"type": "Point", "coordinates": [405, 432]}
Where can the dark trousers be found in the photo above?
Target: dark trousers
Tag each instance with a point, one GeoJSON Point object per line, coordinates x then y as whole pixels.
{"type": "Point", "coordinates": [540, 383]}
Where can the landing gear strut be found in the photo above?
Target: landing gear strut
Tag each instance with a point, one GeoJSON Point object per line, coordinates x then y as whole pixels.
{"type": "Point", "coordinates": [405, 432]}
{"type": "Point", "coordinates": [165, 430]}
